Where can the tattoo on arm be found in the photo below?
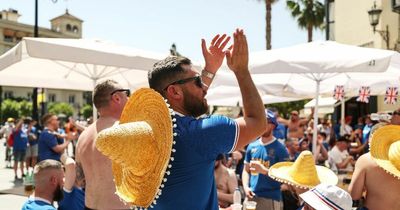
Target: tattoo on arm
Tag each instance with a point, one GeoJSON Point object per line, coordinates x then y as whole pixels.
{"type": "Point", "coordinates": [80, 176]}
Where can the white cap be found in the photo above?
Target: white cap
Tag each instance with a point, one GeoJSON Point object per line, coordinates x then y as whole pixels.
{"type": "Point", "coordinates": [327, 197]}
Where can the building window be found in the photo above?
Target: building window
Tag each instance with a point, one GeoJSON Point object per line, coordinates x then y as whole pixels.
{"type": "Point", "coordinates": [8, 38]}
{"type": "Point", "coordinates": [8, 94]}
{"type": "Point", "coordinates": [69, 27]}
{"type": "Point", "coordinates": [75, 29]}
{"type": "Point", "coordinates": [71, 99]}
{"type": "Point", "coordinates": [52, 97]}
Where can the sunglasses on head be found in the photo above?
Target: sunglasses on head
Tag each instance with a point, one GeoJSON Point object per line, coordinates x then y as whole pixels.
{"type": "Point", "coordinates": [197, 80]}
{"type": "Point", "coordinates": [127, 91]}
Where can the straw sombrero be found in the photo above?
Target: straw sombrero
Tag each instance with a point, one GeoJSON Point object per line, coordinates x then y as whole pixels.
{"type": "Point", "coordinates": [302, 173]}
{"type": "Point", "coordinates": [140, 147]}
{"type": "Point", "coordinates": [385, 148]}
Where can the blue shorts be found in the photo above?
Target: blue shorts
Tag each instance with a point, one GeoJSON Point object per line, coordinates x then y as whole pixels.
{"type": "Point", "coordinates": [19, 155]}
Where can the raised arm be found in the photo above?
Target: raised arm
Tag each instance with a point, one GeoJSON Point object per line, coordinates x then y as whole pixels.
{"type": "Point", "coordinates": [213, 57]}
{"type": "Point", "coordinates": [253, 122]}
{"type": "Point", "coordinates": [70, 173]}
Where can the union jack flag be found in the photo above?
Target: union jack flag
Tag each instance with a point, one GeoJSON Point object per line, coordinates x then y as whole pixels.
{"type": "Point", "coordinates": [391, 95]}
{"type": "Point", "coordinates": [338, 93]}
{"type": "Point", "coordinates": [363, 94]}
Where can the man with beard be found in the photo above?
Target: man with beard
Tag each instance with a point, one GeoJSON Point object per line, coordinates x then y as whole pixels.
{"type": "Point", "coordinates": [260, 155]}
{"type": "Point", "coordinates": [92, 167]}
{"type": "Point", "coordinates": [191, 183]}
{"type": "Point", "coordinates": [49, 181]}
{"type": "Point", "coordinates": [226, 182]}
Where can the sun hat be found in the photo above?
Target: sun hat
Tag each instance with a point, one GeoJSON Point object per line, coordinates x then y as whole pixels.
{"type": "Point", "coordinates": [385, 148]}
{"type": "Point", "coordinates": [327, 197]}
{"type": "Point", "coordinates": [140, 148]}
{"type": "Point", "coordinates": [10, 119]}
{"type": "Point", "coordinates": [303, 173]}
{"type": "Point", "coordinates": [271, 117]}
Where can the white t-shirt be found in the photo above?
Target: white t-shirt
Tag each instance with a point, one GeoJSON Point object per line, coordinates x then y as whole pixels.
{"type": "Point", "coordinates": [336, 157]}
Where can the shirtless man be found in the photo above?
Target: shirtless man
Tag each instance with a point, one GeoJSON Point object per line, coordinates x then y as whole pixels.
{"type": "Point", "coordinates": [226, 182]}
{"type": "Point", "coordinates": [295, 124]}
{"type": "Point", "coordinates": [383, 189]}
{"type": "Point", "coordinates": [109, 99]}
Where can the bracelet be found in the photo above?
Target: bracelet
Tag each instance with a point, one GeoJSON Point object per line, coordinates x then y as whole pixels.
{"type": "Point", "coordinates": [207, 74]}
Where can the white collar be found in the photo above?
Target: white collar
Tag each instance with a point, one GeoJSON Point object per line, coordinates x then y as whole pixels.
{"type": "Point", "coordinates": [179, 114]}
{"type": "Point", "coordinates": [39, 199]}
{"type": "Point", "coordinates": [268, 143]}
{"type": "Point", "coordinates": [182, 115]}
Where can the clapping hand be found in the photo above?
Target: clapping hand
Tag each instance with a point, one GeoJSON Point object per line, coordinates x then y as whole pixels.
{"type": "Point", "coordinates": [214, 54]}
{"type": "Point", "coordinates": [237, 57]}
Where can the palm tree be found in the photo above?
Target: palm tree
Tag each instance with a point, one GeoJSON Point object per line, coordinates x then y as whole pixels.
{"type": "Point", "coordinates": [268, 17]}
{"type": "Point", "coordinates": [268, 7]}
{"type": "Point", "coordinates": [309, 14]}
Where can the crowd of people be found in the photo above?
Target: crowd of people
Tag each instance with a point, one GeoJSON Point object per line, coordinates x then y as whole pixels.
{"type": "Point", "coordinates": [337, 149]}
{"type": "Point", "coordinates": [270, 159]}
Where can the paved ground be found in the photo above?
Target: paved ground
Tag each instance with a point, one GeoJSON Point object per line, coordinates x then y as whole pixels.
{"type": "Point", "coordinates": [9, 185]}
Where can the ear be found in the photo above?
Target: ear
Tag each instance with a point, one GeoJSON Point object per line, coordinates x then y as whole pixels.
{"type": "Point", "coordinates": [116, 98]}
{"type": "Point", "coordinates": [174, 92]}
{"type": "Point", "coordinates": [53, 180]}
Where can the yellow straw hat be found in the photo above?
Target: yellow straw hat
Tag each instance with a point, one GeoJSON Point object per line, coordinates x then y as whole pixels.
{"type": "Point", "coordinates": [385, 149]}
{"type": "Point", "coordinates": [140, 147]}
{"type": "Point", "coordinates": [302, 173]}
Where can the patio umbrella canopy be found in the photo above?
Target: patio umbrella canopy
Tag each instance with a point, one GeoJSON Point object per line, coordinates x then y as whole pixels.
{"type": "Point", "coordinates": [307, 70]}
{"type": "Point", "coordinates": [74, 64]}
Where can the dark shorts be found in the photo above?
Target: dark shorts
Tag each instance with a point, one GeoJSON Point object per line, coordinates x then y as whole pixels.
{"type": "Point", "coordinates": [19, 155]}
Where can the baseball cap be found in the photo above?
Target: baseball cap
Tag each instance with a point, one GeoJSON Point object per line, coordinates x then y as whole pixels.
{"type": "Point", "coordinates": [271, 117]}
{"type": "Point", "coordinates": [327, 197]}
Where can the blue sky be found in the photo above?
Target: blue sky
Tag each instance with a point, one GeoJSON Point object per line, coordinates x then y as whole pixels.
{"type": "Point", "coordinates": [155, 24]}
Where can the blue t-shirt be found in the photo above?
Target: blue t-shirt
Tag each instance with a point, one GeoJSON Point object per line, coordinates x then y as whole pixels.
{"type": "Point", "coordinates": [366, 132]}
{"type": "Point", "coordinates": [33, 204]}
{"type": "Point", "coordinates": [74, 200]}
{"type": "Point", "coordinates": [47, 141]}
{"type": "Point", "coordinates": [20, 140]}
{"type": "Point", "coordinates": [191, 182]}
{"type": "Point", "coordinates": [33, 132]}
{"type": "Point", "coordinates": [269, 154]}
{"type": "Point", "coordinates": [280, 131]}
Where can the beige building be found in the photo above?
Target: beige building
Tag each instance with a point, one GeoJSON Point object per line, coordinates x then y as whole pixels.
{"type": "Point", "coordinates": [351, 25]}
{"type": "Point", "coordinates": [12, 31]}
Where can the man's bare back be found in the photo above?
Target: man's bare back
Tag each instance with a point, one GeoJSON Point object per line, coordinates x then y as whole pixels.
{"type": "Point", "coordinates": [100, 187]}
{"type": "Point", "coordinates": [226, 183]}
{"type": "Point", "coordinates": [383, 189]}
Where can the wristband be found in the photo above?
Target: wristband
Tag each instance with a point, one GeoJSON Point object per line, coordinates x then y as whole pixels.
{"type": "Point", "coordinates": [207, 74]}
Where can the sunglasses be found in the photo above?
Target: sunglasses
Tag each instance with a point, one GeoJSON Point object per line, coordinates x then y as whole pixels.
{"type": "Point", "coordinates": [294, 114]}
{"type": "Point", "coordinates": [127, 91]}
{"type": "Point", "coordinates": [197, 80]}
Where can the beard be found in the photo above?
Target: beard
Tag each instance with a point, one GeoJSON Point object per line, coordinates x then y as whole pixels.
{"type": "Point", "coordinates": [58, 194]}
{"type": "Point", "coordinates": [194, 106]}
